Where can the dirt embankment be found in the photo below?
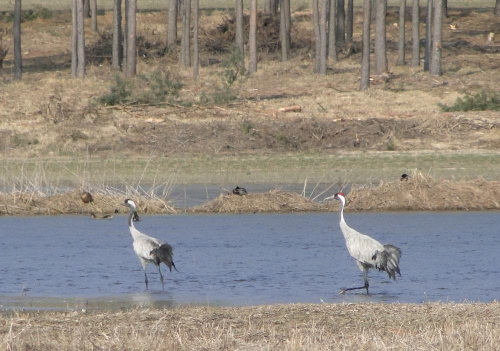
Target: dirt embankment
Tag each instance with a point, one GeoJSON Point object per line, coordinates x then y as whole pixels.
{"type": "Point", "coordinates": [418, 193]}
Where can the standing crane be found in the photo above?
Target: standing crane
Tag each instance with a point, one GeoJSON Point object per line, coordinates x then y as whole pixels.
{"type": "Point", "coordinates": [367, 252]}
{"type": "Point", "coordinates": [149, 249]}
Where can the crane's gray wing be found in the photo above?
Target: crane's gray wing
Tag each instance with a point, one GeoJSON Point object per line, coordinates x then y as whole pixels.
{"type": "Point", "coordinates": [362, 247]}
{"type": "Point", "coordinates": [163, 253]}
{"type": "Point", "coordinates": [388, 260]}
{"type": "Point", "coordinates": [144, 245]}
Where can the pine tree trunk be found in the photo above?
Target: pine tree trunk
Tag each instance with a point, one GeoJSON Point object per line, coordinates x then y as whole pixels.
{"type": "Point", "coordinates": [365, 62]}
{"type": "Point", "coordinates": [401, 44]}
{"type": "Point", "coordinates": [317, 36]}
{"type": "Point", "coordinates": [428, 36]}
{"type": "Point", "coordinates": [288, 23]}
{"type": "Point", "coordinates": [196, 56]}
{"type": "Point", "coordinates": [267, 6]}
{"type": "Point", "coordinates": [252, 40]}
{"type": "Point", "coordinates": [497, 8]}
{"type": "Point", "coordinates": [80, 69]}
{"type": "Point", "coordinates": [18, 59]}
{"type": "Point", "coordinates": [415, 21]}
{"type": "Point", "coordinates": [324, 38]}
{"type": "Point", "coordinates": [332, 36]}
{"type": "Point", "coordinates": [349, 24]}
{"type": "Point", "coordinates": [74, 39]}
{"type": "Point", "coordinates": [240, 42]}
{"type": "Point", "coordinates": [437, 39]}
{"type": "Point", "coordinates": [284, 49]}
{"type": "Point", "coordinates": [86, 8]}
{"type": "Point", "coordinates": [94, 15]}
{"type": "Point", "coordinates": [125, 36]}
{"type": "Point", "coordinates": [172, 24]}
{"type": "Point", "coordinates": [380, 38]}
{"type": "Point", "coordinates": [186, 33]}
{"type": "Point", "coordinates": [117, 34]}
{"type": "Point", "coordinates": [340, 23]}
{"type": "Point", "coordinates": [131, 65]}
{"type": "Point", "coordinates": [274, 7]}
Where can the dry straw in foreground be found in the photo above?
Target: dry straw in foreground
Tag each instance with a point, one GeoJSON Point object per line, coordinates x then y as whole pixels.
{"type": "Point", "coordinates": [430, 326]}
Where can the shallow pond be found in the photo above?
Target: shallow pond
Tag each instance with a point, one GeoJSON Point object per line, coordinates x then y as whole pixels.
{"type": "Point", "coordinates": [68, 262]}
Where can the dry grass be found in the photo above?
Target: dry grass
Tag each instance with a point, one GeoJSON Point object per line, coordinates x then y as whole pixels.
{"type": "Point", "coordinates": [70, 203]}
{"type": "Point", "coordinates": [272, 201]}
{"type": "Point", "coordinates": [424, 193]}
{"type": "Point", "coordinates": [432, 326]}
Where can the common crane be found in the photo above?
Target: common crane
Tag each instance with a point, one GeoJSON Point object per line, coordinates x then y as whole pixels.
{"type": "Point", "coordinates": [149, 249]}
{"type": "Point", "coordinates": [367, 252]}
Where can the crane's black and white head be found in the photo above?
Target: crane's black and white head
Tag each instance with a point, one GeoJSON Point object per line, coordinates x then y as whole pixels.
{"type": "Point", "coordinates": [340, 196]}
{"type": "Point", "coordinates": [130, 204]}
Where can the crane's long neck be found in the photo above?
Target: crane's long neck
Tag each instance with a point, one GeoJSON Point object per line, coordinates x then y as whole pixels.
{"type": "Point", "coordinates": [341, 212]}
{"type": "Point", "coordinates": [131, 220]}
{"type": "Point", "coordinates": [134, 232]}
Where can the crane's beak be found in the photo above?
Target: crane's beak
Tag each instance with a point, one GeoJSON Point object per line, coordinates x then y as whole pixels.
{"type": "Point", "coordinates": [329, 198]}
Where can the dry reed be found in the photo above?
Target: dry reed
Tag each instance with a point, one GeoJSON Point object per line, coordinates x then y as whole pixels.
{"type": "Point", "coordinates": [272, 201]}
{"type": "Point", "coordinates": [424, 193]}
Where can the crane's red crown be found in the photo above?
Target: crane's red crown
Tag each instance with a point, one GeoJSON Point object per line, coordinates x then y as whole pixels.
{"type": "Point", "coordinates": [342, 194]}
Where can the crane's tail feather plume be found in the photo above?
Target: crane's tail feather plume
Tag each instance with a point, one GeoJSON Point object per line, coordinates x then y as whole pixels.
{"type": "Point", "coordinates": [388, 260]}
{"type": "Point", "coordinates": [164, 254]}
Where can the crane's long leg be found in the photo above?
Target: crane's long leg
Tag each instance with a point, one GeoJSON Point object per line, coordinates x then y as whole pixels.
{"type": "Point", "coordinates": [366, 286]}
{"type": "Point", "coordinates": [146, 279]}
{"type": "Point", "coordinates": [161, 277]}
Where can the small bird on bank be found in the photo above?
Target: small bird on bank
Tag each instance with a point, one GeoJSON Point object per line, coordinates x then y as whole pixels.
{"type": "Point", "coordinates": [149, 249]}
{"type": "Point", "coordinates": [404, 177]}
{"type": "Point", "coordinates": [240, 191]}
{"type": "Point", "coordinates": [104, 216]}
{"type": "Point", "coordinates": [86, 197]}
{"type": "Point", "coordinates": [367, 252]}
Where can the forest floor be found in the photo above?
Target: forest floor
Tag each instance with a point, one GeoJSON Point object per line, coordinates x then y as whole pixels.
{"type": "Point", "coordinates": [58, 130]}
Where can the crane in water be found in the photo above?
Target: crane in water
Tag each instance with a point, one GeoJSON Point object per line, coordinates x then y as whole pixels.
{"type": "Point", "coordinates": [149, 249]}
{"type": "Point", "coordinates": [367, 252]}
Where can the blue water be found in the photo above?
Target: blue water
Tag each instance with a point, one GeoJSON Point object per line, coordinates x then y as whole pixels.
{"type": "Point", "coordinates": [74, 261]}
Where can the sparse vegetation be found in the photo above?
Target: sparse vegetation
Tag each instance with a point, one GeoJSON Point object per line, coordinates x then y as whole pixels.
{"type": "Point", "coordinates": [233, 70]}
{"type": "Point", "coordinates": [483, 101]}
{"type": "Point", "coordinates": [145, 89]}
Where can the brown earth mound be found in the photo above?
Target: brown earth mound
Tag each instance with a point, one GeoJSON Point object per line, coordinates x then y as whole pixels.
{"type": "Point", "coordinates": [418, 193]}
{"type": "Point", "coordinates": [70, 203]}
{"type": "Point", "coordinates": [272, 201]}
{"type": "Point", "coordinates": [423, 193]}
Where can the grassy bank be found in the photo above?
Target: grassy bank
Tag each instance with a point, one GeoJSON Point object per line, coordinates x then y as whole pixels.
{"type": "Point", "coordinates": [432, 326]}
{"type": "Point", "coordinates": [274, 169]}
